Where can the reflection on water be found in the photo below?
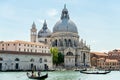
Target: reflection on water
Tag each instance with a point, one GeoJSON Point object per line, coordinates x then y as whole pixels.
{"type": "Point", "coordinates": [63, 75]}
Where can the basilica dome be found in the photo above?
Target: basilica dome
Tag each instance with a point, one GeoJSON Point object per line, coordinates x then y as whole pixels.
{"type": "Point", "coordinates": [44, 32]}
{"type": "Point", "coordinates": [65, 24]}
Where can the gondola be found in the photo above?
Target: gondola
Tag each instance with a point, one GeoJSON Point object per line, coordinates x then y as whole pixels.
{"type": "Point", "coordinates": [97, 72]}
{"type": "Point", "coordinates": [37, 77]}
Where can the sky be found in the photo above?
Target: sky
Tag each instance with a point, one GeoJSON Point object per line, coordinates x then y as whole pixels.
{"type": "Point", "coordinates": [98, 21]}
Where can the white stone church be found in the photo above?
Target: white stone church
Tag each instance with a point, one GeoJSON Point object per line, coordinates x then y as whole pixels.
{"type": "Point", "coordinates": [65, 37]}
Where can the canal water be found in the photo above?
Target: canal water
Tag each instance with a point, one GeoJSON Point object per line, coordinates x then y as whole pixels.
{"type": "Point", "coordinates": [62, 75]}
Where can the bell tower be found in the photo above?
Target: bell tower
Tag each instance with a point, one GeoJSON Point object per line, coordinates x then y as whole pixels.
{"type": "Point", "coordinates": [33, 31]}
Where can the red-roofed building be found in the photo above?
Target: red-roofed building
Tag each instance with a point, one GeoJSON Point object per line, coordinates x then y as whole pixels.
{"type": "Point", "coordinates": [115, 54]}
{"type": "Point", "coordinates": [95, 56]}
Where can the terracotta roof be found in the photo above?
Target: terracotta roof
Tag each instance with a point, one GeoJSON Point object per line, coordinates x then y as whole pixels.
{"type": "Point", "coordinates": [24, 53]}
{"type": "Point", "coordinates": [111, 60]}
{"type": "Point", "coordinates": [114, 51]}
{"type": "Point", "coordinates": [24, 42]}
{"type": "Point", "coordinates": [99, 53]}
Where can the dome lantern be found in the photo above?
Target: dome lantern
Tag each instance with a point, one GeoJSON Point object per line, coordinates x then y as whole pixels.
{"type": "Point", "coordinates": [65, 14]}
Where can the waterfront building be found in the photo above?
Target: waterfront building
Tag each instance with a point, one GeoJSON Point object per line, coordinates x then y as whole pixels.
{"type": "Point", "coordinates": [114, 54]}
{"type": "Point", "coordinates": [23, 55]}
{"type": "Point", "coordinates": [65, 37]}
{"type": "Point", "coordinates": [108, 64]}
{"type": "Point", "coordinates": [95, 56]}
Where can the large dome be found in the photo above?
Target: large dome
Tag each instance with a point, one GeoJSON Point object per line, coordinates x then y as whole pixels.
{"type": "Point", "coordinates": [65, 24]}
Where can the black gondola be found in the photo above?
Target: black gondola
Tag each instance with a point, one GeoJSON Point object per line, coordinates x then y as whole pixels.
{"type": "Point", "coordinates": [97, 72]}
{"type": "Point", "coordinates": [37, 77]}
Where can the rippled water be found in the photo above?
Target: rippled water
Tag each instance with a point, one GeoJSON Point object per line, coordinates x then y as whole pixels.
{"type": "Point", "coordinates": [62, 75]}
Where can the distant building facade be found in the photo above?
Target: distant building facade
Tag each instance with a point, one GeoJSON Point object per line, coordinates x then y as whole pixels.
{"type": "Point", "coordinates": [65, 37]}
{"type": "Point", "coordinates": [102, 61]}
{"type": "Point", "coordinates": [23, 55]}
{"type": "Point", "coordinates": [108, 64]}
{"type": "Point", "coordinates": [115, 54]}
{"type": "Point", "coordinates": [95, 56]}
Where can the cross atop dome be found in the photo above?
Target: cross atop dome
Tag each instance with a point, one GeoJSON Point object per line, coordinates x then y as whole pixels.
{"type": "Point", "coordinates": [64, 6]}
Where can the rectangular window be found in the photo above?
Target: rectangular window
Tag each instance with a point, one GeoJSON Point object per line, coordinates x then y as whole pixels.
{"type": "Point", "coordinates": [28, 50]}
{"type": "Point", "coordinates": [40, 60]}
{"type": "Point", "coordinates": [45, 60]}
{"type": "Point", "coordinates": [2, 48]}
{"type": "Point", "coordinates": [19, 49]}
{"type": "Point", "coordinates": [24, 50]}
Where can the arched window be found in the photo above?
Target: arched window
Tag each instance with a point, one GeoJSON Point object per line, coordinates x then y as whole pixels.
{"type": "Point", "coordinates": [70, 42]}
{"type": "Point", "coordinates": [17, 59]}
{"type": "Point", "coordinates": [1, 59]}
{"type": "Point", "coordinates": [69, 54]}
{"type": "Point", "coordinates": [56, 42]}
{"type": "Point", "coordinates": [61, 43]}
{"type": "Point", "coordinates": [75, 43]}
{"type": "Point", "coordinates": [45, 41]}
{"type": "Point", "coordinates": [66, 42]}
{"type": "Point", "coordinates": [32, 60]}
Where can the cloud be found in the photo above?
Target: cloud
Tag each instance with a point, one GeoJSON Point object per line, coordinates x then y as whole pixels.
{"type": "Point", "coordinates": [52, 12]}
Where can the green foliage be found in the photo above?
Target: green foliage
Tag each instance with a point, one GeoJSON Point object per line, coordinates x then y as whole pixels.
{"type": "Point", "coordinates": [54, 52]}
{"type": "Point", "coordinates": [58, 57]}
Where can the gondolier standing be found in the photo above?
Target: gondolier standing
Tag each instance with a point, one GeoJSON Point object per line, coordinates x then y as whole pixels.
{"type": "Point", "coordinates": [39, 73]}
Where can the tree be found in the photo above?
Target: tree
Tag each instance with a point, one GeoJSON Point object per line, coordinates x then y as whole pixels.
{"type": "Point", "coordinates": [54, 52]}
{"type": "Point", "coordinates": [60, 58]}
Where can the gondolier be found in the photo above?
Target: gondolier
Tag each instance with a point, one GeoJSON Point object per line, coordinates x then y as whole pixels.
{"type": "Point", "coordinates": [37, 77]}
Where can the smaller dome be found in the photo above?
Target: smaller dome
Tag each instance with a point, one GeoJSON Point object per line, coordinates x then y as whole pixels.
{"type": "Point", "coordinates": [44, 32]}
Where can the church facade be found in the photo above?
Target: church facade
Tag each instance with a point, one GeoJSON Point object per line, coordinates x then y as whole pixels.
{"type": "Point", "coordinates": [65, 37]}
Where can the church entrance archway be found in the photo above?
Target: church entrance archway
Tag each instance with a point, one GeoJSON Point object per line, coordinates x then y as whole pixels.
{"type": "Point", "coordinates": [16, 66]}
{"type": "Point", "coordinates": [45, 66]}
{"type": "Point", "coordinates": [32, 66]}
{"type": "Point", "coordinates": [84, 58]}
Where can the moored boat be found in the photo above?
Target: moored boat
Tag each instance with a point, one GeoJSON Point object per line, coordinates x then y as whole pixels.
{"type": "Point", "coordinates": [94, 72]}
